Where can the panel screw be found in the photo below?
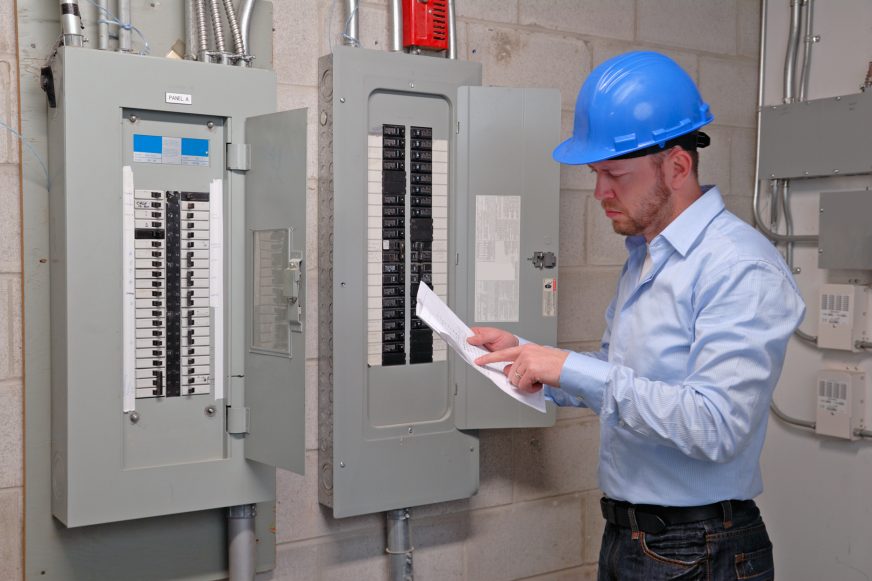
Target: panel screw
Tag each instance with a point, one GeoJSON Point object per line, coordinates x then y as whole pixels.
{"type": "Point", "coordinates": [132, 118]}
{"type": "Point", "coordinates": [210, 410]}
{"type": "Point", "coordinates": [210, 125]}
{"type": "Point", "coordinates": [411, 429]}
{"type": "Point", "coordinates": [134, 417]}
{"type": "Point", "coordinates": [411, 85]}
{"type": "Point", "coordinates": [342, 464]}
{"type": "Point", "coordinates": [341, 99]}
{"type": "Point", "coordinates": [820, 250]}
{"type": "Point", "coordinates": [797, 270]}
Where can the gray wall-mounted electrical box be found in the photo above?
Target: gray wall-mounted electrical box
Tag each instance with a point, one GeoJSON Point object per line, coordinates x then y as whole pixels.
{"type": "Point", "coordinates": [845, 240]}
{"type": "Point", "coordinates": [425, 178]}
{"type": "Point", "coordinates": [177, 210]}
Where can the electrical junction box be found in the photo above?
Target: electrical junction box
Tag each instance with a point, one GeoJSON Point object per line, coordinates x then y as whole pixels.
{"type": "Point", "coordinates": [841, 403]}
{"type": "Point", "coordinates": [844, 241]}
{"type": "Point", "coordinates": [425, 178]}
{"type": "Point", "coordinates": [177, 210]}
{"type": "Point", "coordinates": [843, 316]}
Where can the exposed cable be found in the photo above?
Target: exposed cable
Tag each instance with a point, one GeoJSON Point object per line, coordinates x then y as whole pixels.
{"type": "Point", "coordinates": [32, 151]}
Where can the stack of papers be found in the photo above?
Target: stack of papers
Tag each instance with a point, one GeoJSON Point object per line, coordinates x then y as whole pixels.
{"type": "Point", "coordinates": [453, 331]}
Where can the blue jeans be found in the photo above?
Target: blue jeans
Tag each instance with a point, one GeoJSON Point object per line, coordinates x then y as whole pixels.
{"type": "Point", "coordinates": [698, 550]}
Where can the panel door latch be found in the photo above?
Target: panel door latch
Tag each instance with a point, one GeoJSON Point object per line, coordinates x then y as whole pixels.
{"type": "Point", "coordinates": [293, 276]}
{"type": "Point", "coordinates": [543, 259]}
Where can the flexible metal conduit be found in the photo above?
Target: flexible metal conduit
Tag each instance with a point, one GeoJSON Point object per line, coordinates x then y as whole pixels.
{"type": "Point", "coordinates": [234, 28]}
{"type": "Point", "coordinates": [792, 50]}
{"type": "Point", "coordinates": [217, 29]}
{"type": "Point", "coordinates": [202, 34]}
{"type": "Point", "coordinates": [396, 26]}
{"type": "Point", "coordinates": [190, 31]}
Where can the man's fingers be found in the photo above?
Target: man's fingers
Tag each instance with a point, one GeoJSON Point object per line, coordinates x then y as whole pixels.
{"type": "Point", "coordinates": [502, 355]}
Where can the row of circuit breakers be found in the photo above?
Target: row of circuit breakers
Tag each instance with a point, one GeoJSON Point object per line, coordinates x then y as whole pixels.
{"type": "Point", "coordinates": [395, 337]}
{"type": "Point", "coordinates": [172, 309]}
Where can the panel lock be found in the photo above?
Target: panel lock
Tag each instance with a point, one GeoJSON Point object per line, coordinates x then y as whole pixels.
{"type": "Point", "coordinates": [293, 276]}
{"type": "Point", "coordinates": [543, 259]}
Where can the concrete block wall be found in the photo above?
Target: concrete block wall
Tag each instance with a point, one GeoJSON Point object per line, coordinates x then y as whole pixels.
{"type": "Point", "coordinates": [536, 516]}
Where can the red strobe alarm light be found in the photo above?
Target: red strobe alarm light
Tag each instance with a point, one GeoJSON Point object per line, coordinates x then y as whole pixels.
{"type": "Point", "coordinates": [425, 24]}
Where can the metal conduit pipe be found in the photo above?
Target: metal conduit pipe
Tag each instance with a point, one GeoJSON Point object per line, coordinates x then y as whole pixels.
{"type": "Point", "coordinates": [102, 25]}
{"type": "Point", "coordinates": [241, 542]}
{"type": "Point", "coordinates": [202, 33]}
{"type": "Point", "coordinates": [218, 30]}
{"type": "Point", "coordinates": [792, 50]}
{"type": "Point", "coordinates": [351, 31]}
{"type": "Point", "coordinates": [71, 22]}
{"type": "Point", "coordinates": [774, 236]}
{"type": "Point", "coordinates": [810, 40]}
{"type": "Point", "coordinates": [400, 545]}
{"type": "Point", "coordinates": [245, 12]}
{"type": "Point", "coordinates": [396, 26]}
{"type": "Point", "coordinates": [235, 33]}
{"type": "Point", "coordinates": [788, 222]}
{"type": "Point", "coordinates": [452, 31]}
{"type": "Point", "coordinates": [190, 31]}
{"type": "Point", "coordinates": [790, 420]}
{"type": "Point", "coordinates": [124, 44]}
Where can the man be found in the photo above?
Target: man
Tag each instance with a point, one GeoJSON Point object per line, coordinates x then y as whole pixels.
{"type": "Point", "coordinates": [694, 341]}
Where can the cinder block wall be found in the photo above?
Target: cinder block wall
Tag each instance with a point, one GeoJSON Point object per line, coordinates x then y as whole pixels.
{"type": "Point", "coordinates": [536, 516]}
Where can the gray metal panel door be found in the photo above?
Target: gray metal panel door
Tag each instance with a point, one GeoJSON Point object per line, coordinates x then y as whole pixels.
{"type": "Point", "coordinates": [275, 209]}
{"type": "Point", "coordinates": [504, 167]}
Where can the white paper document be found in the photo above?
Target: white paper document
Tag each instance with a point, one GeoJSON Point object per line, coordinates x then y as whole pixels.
{"type": "Point", "coordinates": [448, 325]}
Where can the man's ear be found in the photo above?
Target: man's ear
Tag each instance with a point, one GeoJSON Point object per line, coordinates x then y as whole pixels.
{"type": "Point", "coordinates": [678, 168]}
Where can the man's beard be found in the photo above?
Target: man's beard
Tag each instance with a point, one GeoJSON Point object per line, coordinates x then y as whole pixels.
{"type": "Point", "coordinates": [656, 204]}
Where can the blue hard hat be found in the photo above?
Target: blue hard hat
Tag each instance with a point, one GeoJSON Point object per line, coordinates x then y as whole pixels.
{"type": "Point", "coordinates": [630, 103]}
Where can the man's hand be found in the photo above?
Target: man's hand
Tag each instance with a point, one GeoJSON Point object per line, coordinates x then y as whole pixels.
{"type": "Point", "coordinates": [492, 339]}
{"type": "Point", "coordinates": [530, 365]}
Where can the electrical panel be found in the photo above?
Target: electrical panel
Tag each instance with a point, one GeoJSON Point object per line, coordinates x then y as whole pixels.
{"type": "Point", "coordinates": [843, 316]}
{"type": "Point", "coordinates": [401, 206]}
{"type": "Point", "coordinates": [167, 371]}
{"type": "Point", "coordinates": [425, 24]}
{"type": "Point", "coordinates": [841, 403]}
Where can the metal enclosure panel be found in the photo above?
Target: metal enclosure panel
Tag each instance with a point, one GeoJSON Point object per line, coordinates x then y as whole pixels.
{"type": "Point", "coordinates": [367, 462]}
{"type": "Point", "coordinates": [504, 150]}
{"type": "Point", "coordinates": [817, 138]}
{"type": "Point", "coordinates": [845, 239]}
{"type": "Point", "coordinates": [275, 202]}
{"type": "Point", "coordinates": [91, 481]}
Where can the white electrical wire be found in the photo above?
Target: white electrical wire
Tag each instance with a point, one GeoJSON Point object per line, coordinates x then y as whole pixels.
{"type": "Point", "coordinates": [113, 20]}
{"type": "Point", "coordinates": [30, 148]}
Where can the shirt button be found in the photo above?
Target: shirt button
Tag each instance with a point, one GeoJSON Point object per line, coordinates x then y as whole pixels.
{"type": "Point", "coordinates": [622, 423]}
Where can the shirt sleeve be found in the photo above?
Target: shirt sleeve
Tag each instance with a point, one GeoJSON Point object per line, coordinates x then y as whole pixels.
{"type": "Point", "coordinates": [744, 318]}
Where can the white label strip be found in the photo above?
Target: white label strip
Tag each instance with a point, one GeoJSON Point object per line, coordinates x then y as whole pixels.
{"type": "Point", "coordinates": [129, 289]}
{"type": "Point", "coordinates": [497, 258]}
{"type": "Point", "coordinates": [216, 282]}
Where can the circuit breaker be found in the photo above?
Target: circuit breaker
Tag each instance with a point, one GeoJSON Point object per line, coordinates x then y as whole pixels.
{"type": "Point", "coordinates": [425, 178]}
{"type": "Point", "coordinates": [177, 236]}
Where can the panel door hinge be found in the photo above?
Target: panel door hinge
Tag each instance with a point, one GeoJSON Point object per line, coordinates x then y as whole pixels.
{"type": "Point", "coordinates": [238, 419]}
{"type": "Point", "coordinates": [238, 156]}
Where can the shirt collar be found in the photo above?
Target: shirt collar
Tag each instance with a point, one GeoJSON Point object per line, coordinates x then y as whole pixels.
{"type": "Point", "coordinates": [682, 232]}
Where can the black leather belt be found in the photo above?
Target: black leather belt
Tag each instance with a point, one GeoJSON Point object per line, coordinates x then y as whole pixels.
{"type": "Point", "coordinates": [653, 519]}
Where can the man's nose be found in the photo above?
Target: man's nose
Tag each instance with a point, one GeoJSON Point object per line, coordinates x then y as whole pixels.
{"type": "Point", "coordinates": [603, 189]}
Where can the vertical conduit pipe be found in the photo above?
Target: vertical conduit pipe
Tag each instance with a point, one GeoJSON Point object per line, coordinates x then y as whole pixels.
{"type": "Point", "coordinates": [102, 25]}
{"type": "Point", "coordinates": [124, 30]}
{"type": "Point", "coordinates": [241, 542]}
{"type": "Point", "coordinates": [202, 33]}
{"type": "Point", "coordinates": [190, 31]}
{"type": "Point", "coordinates": [245, 12]}
{"type": "Point", "coordinates": [351, 31]}
{"type": "Point", "coordinates": [71, 22]}
{"type": "Point", "coordinates": [452, 31]}
{"type": "Point", "coordinates": [792, 50]}
{"type": "Point", "coordinates": [218, 30]}
{"type": "Point", "coordinates": [396, 26]}
{"type": "Point", "coordinates": [400, 545]}
{"type": "Point", "coordinates": [810, 40]}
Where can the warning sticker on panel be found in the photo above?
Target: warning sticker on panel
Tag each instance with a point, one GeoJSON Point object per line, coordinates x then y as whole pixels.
{"type": "Point", "coordinates": [549, 297]}
{"type": "Point", "coordinates": [497, 258]}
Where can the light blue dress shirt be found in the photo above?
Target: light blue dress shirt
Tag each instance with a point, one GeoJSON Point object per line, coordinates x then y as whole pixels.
{"type": "Point", "coordinates": [689, 360]}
